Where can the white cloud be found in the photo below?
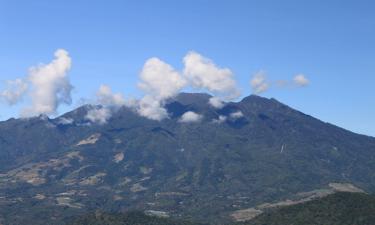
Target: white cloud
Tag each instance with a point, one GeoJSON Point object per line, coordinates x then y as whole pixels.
{"type": "Point", "coordinates": [204, 74]}
{"type": "Point", "coordinates": [98, 115]}
{"type": "Point", "coordinates": [221, 119]}
{"type": "Point", "coordinates": [190, 117]}
{"type": "Point", "coordinates": [259, 82]}
{"type": "Point", "coordinates": [132, 102]}
{"type": "Point", "coordinates": [110, 102]}
{"type": "Point", "coordinates": [159, 81]}
{"type": "Point", "coordinates": [152, 108]}
{"type": "Point", "coordinates": [216, 102]}
{"type": "Point", "coordinates": [236, 115]}
{"type": "Point", "coordinates": [50, 85]}
{"type": "Point", "coordinates": [301, 80]}
{"type": "Point", "coordinates": [106, 97]}
{"type": "Point", "coordinates": [65, 121]}
{"type": "Point", "coordinates": [15, 90]}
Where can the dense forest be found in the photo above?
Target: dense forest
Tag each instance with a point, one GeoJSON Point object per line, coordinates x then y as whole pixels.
{"type": "Point", "coordinates": [342, 208]}
{"type": "Point", "coordinates": [131, 218]}
{"type": "Point", "coordinates": [337, 209]}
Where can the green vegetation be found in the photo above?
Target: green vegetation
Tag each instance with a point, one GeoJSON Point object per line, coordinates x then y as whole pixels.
{"type": "Point", "coordinates": [342, 208]}
{"type": "Point", "coordinates": [338, 209]}
{"type": "Point", "coordinates": [131, 218]}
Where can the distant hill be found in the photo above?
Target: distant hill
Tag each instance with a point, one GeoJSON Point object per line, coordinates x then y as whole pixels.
{"type": "Point", "coordinates": [342, 208]}
{"type": "Point", "coordinates": [245, 154]}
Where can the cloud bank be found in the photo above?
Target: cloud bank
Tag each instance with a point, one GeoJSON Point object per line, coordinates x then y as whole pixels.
{"type": "Point", "coordinates": [159, 82]}
{"type": "Point", "coordinates": [47, 86]}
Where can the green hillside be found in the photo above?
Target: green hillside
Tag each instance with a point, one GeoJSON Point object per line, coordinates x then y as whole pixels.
{"type": "Point", "coordinates": [132, 218]}
{"type": "Point", "coordinates": [338, 209]}
{"type": "Point", "coordinates": [342, 208]}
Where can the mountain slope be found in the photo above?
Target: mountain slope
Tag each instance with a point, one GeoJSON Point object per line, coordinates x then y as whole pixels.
{"type": "Point", "coordinates": [264, 151]}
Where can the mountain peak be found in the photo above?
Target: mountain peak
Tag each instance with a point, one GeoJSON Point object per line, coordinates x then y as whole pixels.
{"type": "Point", "coordinates": [192, 98]}
{"type": "Point", "coordinates": [258, 102]}
{"type": "Point", "coordinates": [256, 98]}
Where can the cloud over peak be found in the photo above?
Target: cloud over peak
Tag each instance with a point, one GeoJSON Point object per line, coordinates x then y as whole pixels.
{"type": "Point", "coordinates": [204, 74]}
{"type": "Point", "coordinates": [106, 97]}
{"type": "Point", "coordinates": [190, 117]}
{"type": "Point", "coordinates": [99, 115]}
{"type": "Point", "coordinates": [216, 102]}
{"type": "Point", "coordinates": [159, 81]}
{"type": "Point", "coordinates": [152, 108]}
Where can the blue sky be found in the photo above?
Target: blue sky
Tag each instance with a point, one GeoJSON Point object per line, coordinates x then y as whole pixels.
{"type": "Point", "coordinates": [331, 42]}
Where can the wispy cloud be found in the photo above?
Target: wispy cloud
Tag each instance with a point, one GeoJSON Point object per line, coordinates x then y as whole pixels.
{"type": "Point", "coordinates": [220, 120]}
{"type": "Point", "coordinates": [14, 91]}
{"type": "Point", "coordinates": [99, 115]}
{"type": "Point", "coordinates": [106, 97]}
{"type": "Point", "coordinates": [260, 83]}
{"type": "Point", "coordinates": [301, 80]}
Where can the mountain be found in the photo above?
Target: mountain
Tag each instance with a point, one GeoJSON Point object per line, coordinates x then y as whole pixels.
{"type": "Point", "coordinates": [247, 153]}
{"type": "Point", "coordinates": [342, 208]}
